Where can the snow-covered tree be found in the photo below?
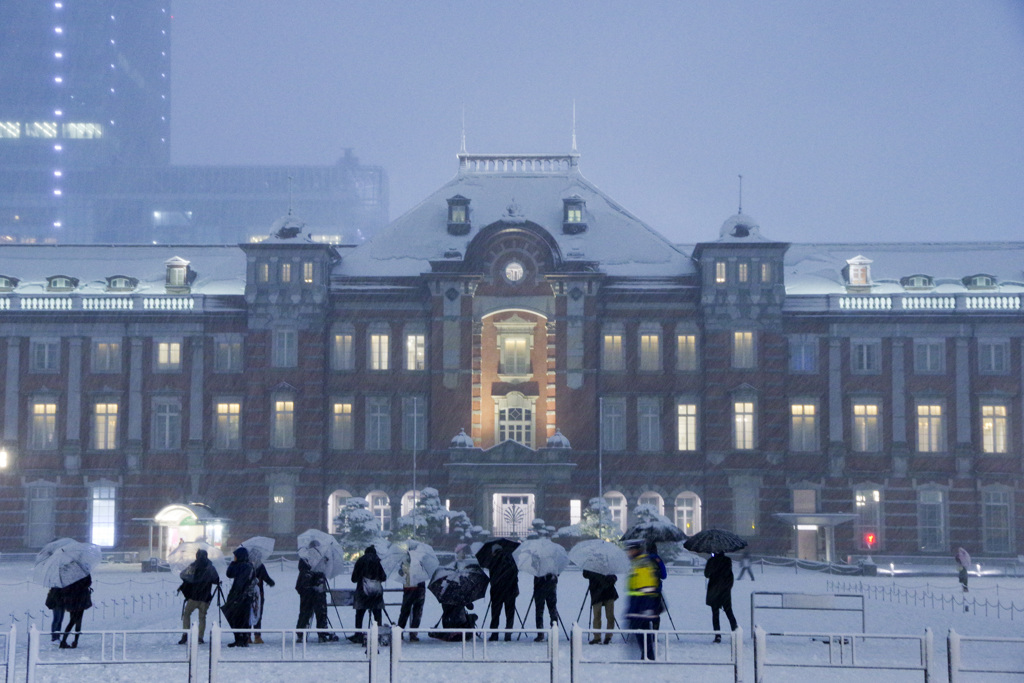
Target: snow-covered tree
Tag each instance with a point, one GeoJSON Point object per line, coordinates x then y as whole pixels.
{"type": "Point", "coordinates": [595, 522]}
{"type": "Point", "coordinates": [430, 521]}
{"type": "Point", "coordinates": [357, 526]}
{"type": "Point", "coordinates": [540, 529]}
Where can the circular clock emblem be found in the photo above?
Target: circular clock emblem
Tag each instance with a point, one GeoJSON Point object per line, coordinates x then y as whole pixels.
{"type": "Point", "coordinates": [514, 271]}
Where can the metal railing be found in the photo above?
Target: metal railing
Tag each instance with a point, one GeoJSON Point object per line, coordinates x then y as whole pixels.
{"type": "Point", "coordinates": [476, 648]}
{"type": "Point", "coordinates": [292, 652]}
{"type": "Point", "coordinates": [935, 599]}
{"type": "Point", "coordinates": [663, 651]}
{"type": "Point", "coordinates": [844, 653]}
{"type": "Point", "coordinates": [955, 662]}
{"type": "Point", "coordinates": [114, 651]}
{"type": "Point", "coordinates": [9, 642]}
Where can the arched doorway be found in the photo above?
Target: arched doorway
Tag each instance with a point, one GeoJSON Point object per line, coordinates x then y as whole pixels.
{"type": "Point", "coordinates": [184, 522]}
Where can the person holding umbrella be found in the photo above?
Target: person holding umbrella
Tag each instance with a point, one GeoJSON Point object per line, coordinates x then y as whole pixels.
{"type": "Point", "coordinates": [76, 598]}
{"type": "Point", "coordinates": [197, 582]}
{"type": "Point", "coordinates": [545, 591]}
{"type": "Point", "coordinates": [602, 596]}
{"type": "Point", "coordinates": [504, 589]}
{"type": "Point", "coordinates": [368, 576]}
{"type": "Point", "coordinates": [262, 577]}
{"type": "Point", "coordinates": [963, 561]}
{"type": "Point", "coordinates": [312, 589]}
{"type": "Point", "coordinates": [644, 598]}
{"type": "Point", "coordinates": [240, 603]}
{"type": "Point", "coordinates": [413, 596]}
{"type": "Point", "coordinates": [54, 604]}
{"type": "Point", "coordinates": [718, 572]}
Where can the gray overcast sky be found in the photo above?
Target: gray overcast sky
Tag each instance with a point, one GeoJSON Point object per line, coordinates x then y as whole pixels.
{"type": "Point", "coordinates": [858, 120]}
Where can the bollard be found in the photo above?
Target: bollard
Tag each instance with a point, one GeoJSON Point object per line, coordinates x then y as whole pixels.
{"type": "Point", "coordinates": [214, 651]}
{"type": "Point", "coordinates": [575, 652]}
{"type": "Point", "coordinates": [396, 652]}
{"type": "Point", "coordinates": [553, 636]}
{"type": "Point", "coordinates": [33, 654]}
{"type": "Point", "coordinates": [12, 645]}
{"type": "Point", "coordinates": [193, 651]}
{"type": "Point", "coordinates": [929, 655]}
{"type": "Point", "coordinates": [953, 656]}
{"type": "Point", "coordinates": [737, 654]}
{"type": "Point", "coordinates": [759, 654]}
{"type": "Point", "coordinates": [372, 645]}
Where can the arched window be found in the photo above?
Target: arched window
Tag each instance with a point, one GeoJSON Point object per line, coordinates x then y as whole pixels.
{"type": "Point", "coordinates": [688, 515]}
{"type": "Point", "coordinates": [618, 507]}
{"type": "Point", "coordinates": [408, 502]}
{"type": "Point", "coordinates": [335, 503]}
{"type": "Point", "coordinates": [380, 506]}
{"type": "Point", "coordinates": [653, 499]}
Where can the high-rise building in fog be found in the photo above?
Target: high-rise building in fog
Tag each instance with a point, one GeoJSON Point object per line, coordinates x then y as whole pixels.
{"type": "Point", "coordinates": [85, 134]}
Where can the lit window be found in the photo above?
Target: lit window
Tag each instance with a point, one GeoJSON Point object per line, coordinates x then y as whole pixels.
{"type": "Point", "coordinates": [648, 424]}
{"type": "Point", "coordinates": [686, 352]}
{"type": "Point", "coordinates": [104, 426]}
{"type": "Point", "coordinates": [743, 425]}
{"type": "Point", "coordinates": [618, 508]}
{"type": "Point", "coordinates": [103, 516]}
{"type": "Point", "coordinates": [415, 352]}
{"type": "Point", "coordinates": [286, 272]}
{"type": "Point", "coordinates": [228, 421]}
{"type": "Point", "coordinates": [515, 419]}
{"type": "Point", "coordinates": [380, 349]}
{"type": "Point", "coordinates": [688, 512]}
{"type": "Point", "coordinates": [168, 356]}
{"type": "Point", "coordinates": [380, 507]}
{"type": "Point", "coordinates": [307, 272]}
{"type": "Point", "coordinates": [867, 432]}
{"type": "Point", "coordinates": [803, 433]}
{"type": "Point", "coordinates": [720, 277]}
{"type": "Point", "coordinates": [342, 431]}
{"type": "Point", "coordinates": [343, 356]}
{"type": "Point", "coordinates": [575, 511]}
{"type": "Point", "coordinates": [742, 272]}
{"type": "Point", "coordinates": [612, 354]}
{"type": "Point", "coordinates": [766, 272]}
{"type": "Point", "coordinates": [994, 428]}
{"type": "Point", "coordinates": [43, 433]}
{"type": "Point", "coordinates": [686, 426]}
{"type": "Point", "coordinates": [283, 425]}
{"type": "Point", "coordinates": [515, 355]}
{"type": "Point", "coordinates": [263, 272]}
{"type": "Point", "coordinates": [514, 271]}
{"type": "Point", "coordinates": [868, 528]}
{"type": "Point", "coordinates": [930, 430]}
{"type": "Point", "coordinates": [650, 350]}
{"type": "Point", "coordinates": [743, 350]}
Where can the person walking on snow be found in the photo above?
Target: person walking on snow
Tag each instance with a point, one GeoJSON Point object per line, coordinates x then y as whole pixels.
{"type": "Point", "coordinates": [745, 564]}
{"type": "Point", "coordinates": [504, 590]}
{"type": "Point", "coordinates": [54, 604]}
{"type": "Point", "coordinates": [963, 561]}
{"type": "Point", "coordinates": [718, 572]}
{"type": "Point", "coordinates": [368, 576]}
{"type": "Point", "coordinates": [240, 603]}
{"type": "Point", "coordinates": [197, 582]}
{"type": "Point", "coordinates": [644, 599]}
{"type": "Point", "coordinates": [602, 596]}
{"type": "Point", "coordinates": [76, 598]}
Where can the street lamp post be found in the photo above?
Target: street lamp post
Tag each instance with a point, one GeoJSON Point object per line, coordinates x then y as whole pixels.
{"type": "Point", "coordinates": [600, 447]}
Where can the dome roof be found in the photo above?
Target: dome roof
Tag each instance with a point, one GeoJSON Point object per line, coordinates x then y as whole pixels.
{"type": "Point", "coordinates": [462, 440]}
{"type": "Point", "coordinates": [287, 227]}
{"type": "Point", "coordinates": [740, 228]}
{"type": "Point", "coordinates": [558, 440]}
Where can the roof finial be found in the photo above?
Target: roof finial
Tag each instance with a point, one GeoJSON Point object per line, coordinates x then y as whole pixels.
{"type": "Point", "coordinates": [741, 194]}
{"type": "Point", "coordinates": [574, 150]}
{"type": "Point", "coordinates": [289, 194]}
{"type": "Point", "coordinates": [462, 149]}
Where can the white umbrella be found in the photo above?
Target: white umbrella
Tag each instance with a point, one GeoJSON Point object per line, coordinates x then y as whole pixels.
{"type": "Point", "coordinates": [423, 562]}
{"type": "Point", "coordinates": [259, 548]}
{"type": "Point", "coordinates": [50, 548]}
{"type": "Point", "coordinates": [391, 555]}
{"type": "Point", "coordinates": [322, 552]}
{"type": "Point", "coordinates": [540, 556]}
{"type": "Point", "coordinates": [185, 554]}
{"type": "Point", "coordinates": [600, 557]}
{"type": "Point", "coordinates": [70, 562]}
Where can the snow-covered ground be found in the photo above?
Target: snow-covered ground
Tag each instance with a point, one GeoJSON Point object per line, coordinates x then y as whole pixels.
{"type": "Point", "coordinates": [684, 592]}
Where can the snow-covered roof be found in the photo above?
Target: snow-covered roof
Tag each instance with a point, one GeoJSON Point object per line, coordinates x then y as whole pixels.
{"type": "Point", "coordinates": [219, 270]}
{"type": "Point", "coordinates": [518, 188]}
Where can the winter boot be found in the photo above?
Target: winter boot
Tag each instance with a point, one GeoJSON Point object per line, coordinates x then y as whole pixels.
{"type": "Point", "coordinates": [540, 638]}
{"type": "Point", "coordinates": [184, 639]}
{"type": "Point", "coordinates": [299, 637]}
{"type": "Point", "coordinates": [493, 637]}
{"type": "Point", "coordinates": [257, 639]}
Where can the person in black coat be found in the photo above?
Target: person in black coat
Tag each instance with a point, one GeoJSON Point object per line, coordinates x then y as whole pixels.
{"type": "Point", "coordinates": [238, 607]}
{"type": "Point", "coordinates": [545, 591]}
{"type": "Point", "coordinates": [602, 596]}
{"type": "Point", "coordinates": [76, 598]}
{"type": "Point", "coordinates": [367, 573]}
{"type": "Point", "coordinates": [312, 589]}
{"type": "Point", "coordinates": [197, 582]}
{"type": "Point", "coordinates": [504, 589]}
{"type": "Point", "coordinates": [262, 577]}
{"type": "Point", "coordinates": [718, 572]}
{"type": "Point", "coordinates": [54, 604]}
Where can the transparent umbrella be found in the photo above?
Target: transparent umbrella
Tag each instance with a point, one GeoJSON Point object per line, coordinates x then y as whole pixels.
{"type": "Point", "coordinates": [600, 557]}
{"type": "Point", "coordinates": [67, 564]}
{"type": "Point", "coordinates": [540, 556]}
{"type": "Point", "coordinates": [322, 552]}
{"type": "Point", "coordinates": [259, 548]}
{"type": "Point", "coordinates": [185, 554]}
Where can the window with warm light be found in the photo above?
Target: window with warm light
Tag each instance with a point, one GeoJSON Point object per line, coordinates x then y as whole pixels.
{"type": "Point", "coordinates": [104, 436]}
{"type": "Point", "coordinates": [686, 352]}
{"type": "Point", "coordinates": [103, 516]}
{"type": "Point", "coordinates": [342, 427]}
{"type": "Point", "coordinates": [286, 272]}
{"type": "Point", "coordinates": [168, 356]}
{"type": "Point", "coordinates": [307, 272]}
{"type": "Point", "coordinates": [650, 349]}
{"type": "Point", "coordinates": [867, 429]}
{"type": "Point", "coordinates": [227, 425]}
{"type": "Point", "coordinates": [43, 430]}
{"type": "Point", "coordinates": [613, 356]}
{"type": "Point", "coordinates": [994, 428]}
{"type": "Point", "coordinates": [743, 425]}
{"type": "Point", "coordinates": [343, 355]}
{"type": "Point", "coordinates": [931, 432]}
{"type": "Point", "coordinates": [803, 427]}
{"type": "Point", "coordinates": [720, 272]}
{"type": "Point", "coordinates": [380, 350]}
{"type": "Point", "coordinates": [283, 423]}
{"type": "Point", "coordinates": [686, 426]}
{"type": "Point", "coordinates": [743, 354]}
{"type": "Point", "coordinates": [415, 351]}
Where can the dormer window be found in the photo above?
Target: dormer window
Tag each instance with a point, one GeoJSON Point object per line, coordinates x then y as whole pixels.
{"type": "Point", "coordinates": [61, 283]}
{"type": "Point", "coordinates": [121, 283]}
{"type": "Point", "coordinates": [980, 281]}
{"type": "Point", "coordinates": [458, 215]}
{"type": "Point", "coordinates": [178, 275]}
{"type": "Point", "coordinates": [918, 282]}
{"type": "Point", "coordinates": [7, 284]}
{"type": "Point", "coordinates": [858, 271]}
{"type": "Point", "coordinates": [572, 216]}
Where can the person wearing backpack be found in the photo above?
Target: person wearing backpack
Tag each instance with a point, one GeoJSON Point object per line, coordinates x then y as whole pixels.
{"type": "Point", "coordinates": [197, 582]}
{"type": "Point", "coordinates": [368, 576]}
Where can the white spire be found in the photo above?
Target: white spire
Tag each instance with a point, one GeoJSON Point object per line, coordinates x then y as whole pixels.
{"type": "Point", "coordinates": [574, 150]}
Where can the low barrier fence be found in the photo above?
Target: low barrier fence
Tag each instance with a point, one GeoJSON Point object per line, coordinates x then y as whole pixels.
{"type": "Point", "coordinates": [8, 641]}
{"type": "Point", "coordinates": [932, 598]}
{"type": "Point", "coordinates": [954, 656]}
{"type": "Point", "coordinates": [844, 653]}
{"type": "Point", "coordinates": [115, 651]}
{"type": "Point", "coordinates": [666, 653]}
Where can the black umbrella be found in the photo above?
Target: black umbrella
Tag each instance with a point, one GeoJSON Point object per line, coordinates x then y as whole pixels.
{"type": "Point", "coordinates": [453, 586]}
{"type": "Point", "coordinates": [714, 541]}
{"type": "Point", "coordinates": [485, 556]}
{"type": "Point", "coordinates": [655, 532]}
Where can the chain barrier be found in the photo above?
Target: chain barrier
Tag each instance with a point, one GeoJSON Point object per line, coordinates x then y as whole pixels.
{"type": "Point", "coordinates": [927, 597]}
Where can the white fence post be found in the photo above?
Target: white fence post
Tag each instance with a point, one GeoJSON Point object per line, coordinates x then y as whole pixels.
{"type": "Point", "coordinates": [214, 651]}
{"type": "Point", "coordinates": [929, 655]}
{"type": "Point", "coordinates": [575, 652]}
{"type": "Point", "coordinates": [12, 643]}
{"type": "Point", "coordinates": [371, 649]}
{"type": "Point", "coordinates": [760, 652]}
{"type": "Point", "coordinates": [193, 651]}
{"type": "Point", "coordinates": [737, 654]}
{"type": "Point", "coordinates": [553, 651]}
{"type": "Point", "coordinates": [33, 654]}
{"type": "Point", "coordinates": [953, 656]}
{"type": "Point", "coordinates": [396, 651]}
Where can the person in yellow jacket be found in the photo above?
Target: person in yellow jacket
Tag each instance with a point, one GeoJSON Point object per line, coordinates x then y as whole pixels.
{"type": "Point", "coordinates": [644, 604]}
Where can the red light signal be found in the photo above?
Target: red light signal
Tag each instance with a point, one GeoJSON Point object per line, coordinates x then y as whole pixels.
{"type": "Point", "coordinates": [869, 540]}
